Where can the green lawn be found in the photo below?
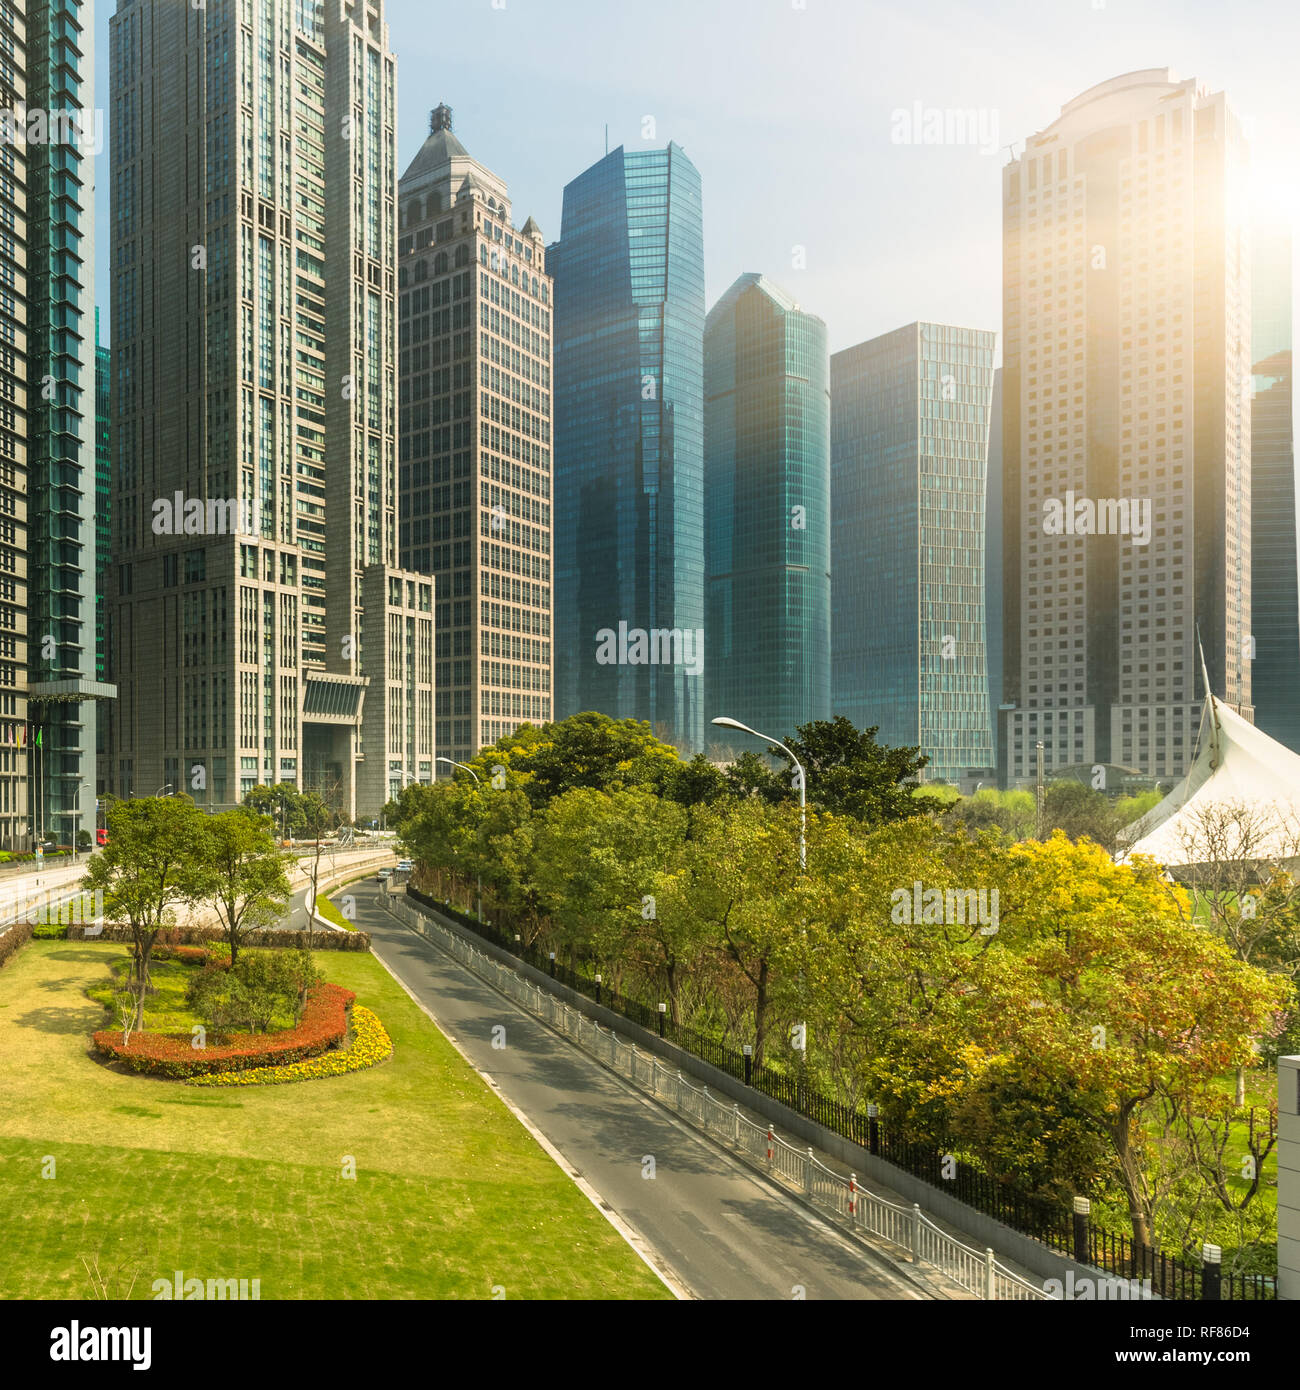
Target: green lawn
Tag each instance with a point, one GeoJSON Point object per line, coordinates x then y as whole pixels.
{"type": "Point", "coordinates": [451, 1195]}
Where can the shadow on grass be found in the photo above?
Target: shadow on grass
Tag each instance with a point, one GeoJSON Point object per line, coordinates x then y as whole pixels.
{"type": "Point", "coordinates": [85, 1018]}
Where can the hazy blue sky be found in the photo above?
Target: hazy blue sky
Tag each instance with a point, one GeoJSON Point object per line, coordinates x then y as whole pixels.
{"type": "Point", "coordinates": [785, 107]}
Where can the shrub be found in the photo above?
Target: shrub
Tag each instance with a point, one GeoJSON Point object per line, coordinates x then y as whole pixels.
{"type": "Point", "coordinates": [16, 937]}
{"type": "Point", "coordinates": [49, 931]}
{"type": "Point", "coordinates": [324, 1025]}
{"type": "Point", "coordinates": [267, 937]}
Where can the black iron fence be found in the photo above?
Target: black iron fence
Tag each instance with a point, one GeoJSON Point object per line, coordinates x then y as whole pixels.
{"type": "Point", "coordinates": [1167, 1276]}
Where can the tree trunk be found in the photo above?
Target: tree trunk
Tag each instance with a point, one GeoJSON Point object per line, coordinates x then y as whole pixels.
{"type": "Point", "coordinates": [673, 1008]}
{"type": "Point", "coordinates": [1241, 1087]}
{"type": "Point", "coordinates": [760, 1013]}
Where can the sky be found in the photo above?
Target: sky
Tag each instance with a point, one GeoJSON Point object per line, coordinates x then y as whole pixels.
{"type": "Point", "coordinates": [787, 109]}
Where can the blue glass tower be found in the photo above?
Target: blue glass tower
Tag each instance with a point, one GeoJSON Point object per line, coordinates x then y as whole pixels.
{"type": "Point", "coordinates": [909, 445]}
{"type": "Point", "coordinates": [767, 480]}
{"type": "Point", "coordinates": [629, 444]}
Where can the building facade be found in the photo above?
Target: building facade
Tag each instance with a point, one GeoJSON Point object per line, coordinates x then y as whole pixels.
{"type": "Point", "coordinates": [1275, 585]}
{"type": "Point", "coordinates": [993, 554]}
{"type": "Point", "coordinates": [474, 373]}
{"type": "Point", "coordinates": [254, 412]}
{"type": "Point", "coordinates": [909, 445]}
{"type": "Point", "coordinates": [767, 620]}
{"type": "Point", "coordinates": [1126, 429]}
{"type": "Point", "coordinates": [629, 444]}
{"type": "Point", "coordinates": [103, 501]}
{"type": "Point", "coordinates": [49, 691]}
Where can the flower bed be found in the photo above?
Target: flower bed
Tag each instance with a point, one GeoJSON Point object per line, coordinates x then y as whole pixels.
{"type": "Point", "coordinates": [370, 1046]}
{"type": "Point", "coordinates": [324, 1025]}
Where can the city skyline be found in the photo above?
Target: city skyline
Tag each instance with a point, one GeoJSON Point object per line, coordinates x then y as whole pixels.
{"type": "Point", "coordinates": [865, 273]}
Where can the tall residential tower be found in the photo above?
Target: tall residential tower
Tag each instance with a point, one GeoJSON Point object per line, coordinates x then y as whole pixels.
{"type": "Point", "coordinates": [1126, 427]}
{"type": "Point", "coordinates": [474, 372]}
{"type": "Point", "coordinates": [261, 630]}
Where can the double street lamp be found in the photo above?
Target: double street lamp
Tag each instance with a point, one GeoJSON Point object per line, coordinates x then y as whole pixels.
{"type": "Point", "coordinates": [451, 762]}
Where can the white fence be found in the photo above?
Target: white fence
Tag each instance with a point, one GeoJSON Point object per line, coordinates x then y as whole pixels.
{"type": "Point", "coordinates": [907, 1228]}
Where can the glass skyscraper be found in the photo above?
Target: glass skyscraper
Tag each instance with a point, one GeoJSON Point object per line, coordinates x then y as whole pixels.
{"type": "Point", "coordinates": [49, 68]}
{"type": "Point", "coordinates": [767, 514]}
{"type": "Point", "coordinates": [1275, 586]}
{"type": "Point", "coordinates": [103, 496]}
{"type": "Point", "coordinates": [909, 441]}
{"type": "Point", "coordinates": [629, 443]}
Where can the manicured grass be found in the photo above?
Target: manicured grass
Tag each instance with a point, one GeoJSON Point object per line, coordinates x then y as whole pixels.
{"type": "Point", "coordinates": [451, 1195]}
{"type": "Point", "coordinates": [326, 909]}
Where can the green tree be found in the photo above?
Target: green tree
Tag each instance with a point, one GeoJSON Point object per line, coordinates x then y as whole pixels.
{"type": "Point", "coordinates": [848, 773]}
{"type": "Point", "coordinates": [151, 864]}
{"type": "Point", "coordinates": [243, 873]}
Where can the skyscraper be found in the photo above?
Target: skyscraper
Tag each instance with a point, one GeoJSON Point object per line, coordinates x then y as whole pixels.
{"type": "Point", "coordinates": [255, 410]}
{"type": "Point", "coordinates": [474, 372]}
{"type": "Point", "coordinates": [909, 442]}
{"type": "Point", "coordinates": [103, 499]}
{"type": "Point", "coordinates": [1126, 450]}
{"type": "Point", "coordinates": [993, 554]}
{"type": "Point", "coordinates": [1275, 586]}
{"type": "Point", "coordinates": [767, 513]}
{"type": "Point", "coordinates": [48, 584]}
{"type": "Point", "coordinates": [629, 444]}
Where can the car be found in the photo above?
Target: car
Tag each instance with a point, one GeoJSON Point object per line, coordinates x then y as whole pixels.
{"type": "Point", "coordinates": [405, 866]}
{"type": "Point", "coordinates": [383, 874]}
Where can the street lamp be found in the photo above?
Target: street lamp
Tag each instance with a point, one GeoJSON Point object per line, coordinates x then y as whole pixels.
{"type": "Point", "coordinates": [801, 778]}
{"type": "Point", "coordinates": [451, 762]}
{"type": "Point", "coordinates": [166, 787]}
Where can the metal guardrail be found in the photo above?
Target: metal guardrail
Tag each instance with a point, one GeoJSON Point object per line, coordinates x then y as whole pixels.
{"type": "Point", "coordinates": [907, 1229]}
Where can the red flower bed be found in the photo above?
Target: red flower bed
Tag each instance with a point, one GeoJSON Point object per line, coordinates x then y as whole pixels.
{"type": "Point", "coordinates": [324, 1025]}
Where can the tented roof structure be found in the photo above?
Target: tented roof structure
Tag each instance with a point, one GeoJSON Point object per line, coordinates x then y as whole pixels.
{"type": "Point", "coordinates": [1239, 801]}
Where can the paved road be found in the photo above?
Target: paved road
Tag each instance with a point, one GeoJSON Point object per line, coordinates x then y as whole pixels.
{"type": "Point", "coordinates": [720, 1230]}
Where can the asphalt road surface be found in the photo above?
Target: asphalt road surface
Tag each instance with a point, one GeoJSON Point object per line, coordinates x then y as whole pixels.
{"type": "Point", "coordinates": [717, 1228]}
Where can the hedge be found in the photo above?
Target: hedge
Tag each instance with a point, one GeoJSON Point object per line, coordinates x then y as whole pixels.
{"type": "Point", "coordinates": [370, 1046]}
{"type": "Point", "coordinates": [17, 936]}
{"type": "Point", "coordinates": [267, 936]}
{"type": "Point", "coordinates": [324, 1025]}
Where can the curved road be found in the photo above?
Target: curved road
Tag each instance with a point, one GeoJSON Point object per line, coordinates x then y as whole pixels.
{"type": "Point", "coordinates": [719, 1229]}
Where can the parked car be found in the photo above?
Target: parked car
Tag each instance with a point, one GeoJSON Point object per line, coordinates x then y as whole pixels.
{"type": "Point", "coordinates": [405, 866]}
{"type": "Point", "coordinates": [383, 874]}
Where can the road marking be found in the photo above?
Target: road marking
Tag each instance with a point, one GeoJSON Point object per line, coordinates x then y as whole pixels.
{"type": "Point", "coordinates": [640, 1246]}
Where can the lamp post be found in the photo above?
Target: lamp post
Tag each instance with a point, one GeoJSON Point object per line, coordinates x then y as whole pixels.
{"type": "Point", "coordinates": [166, 787]}
{"type": "Point", "coordinates": [801, 778]}
{"type": "Point", "coordinates": [451, 762]}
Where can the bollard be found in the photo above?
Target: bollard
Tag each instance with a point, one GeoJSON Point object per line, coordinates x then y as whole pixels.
{"type": "Point", "coordinates": [1082, 1211]}
{"type": "Point", "coordinates": [1211, 1273]}
{"type": "Point", "coordinates": [771, 1145]}
{"type": "Point", "coordinates": [807, 1173]}
{"type": "Point", "coordinates": [853, 1195]}
{"type": "Point", "coordinates": [735, 1125]}
{"type": "Point", "coordinates": [663, 1008]}
{"type": "Point", "coordinates": [749, 1064]}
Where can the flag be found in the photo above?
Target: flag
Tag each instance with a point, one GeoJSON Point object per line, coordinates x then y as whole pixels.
{"type": "Point", "coordinates": [38, 738]}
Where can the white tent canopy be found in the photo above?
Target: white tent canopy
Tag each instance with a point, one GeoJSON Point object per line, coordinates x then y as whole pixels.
{"type": "Point", "coordinates": [1239, 801]}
